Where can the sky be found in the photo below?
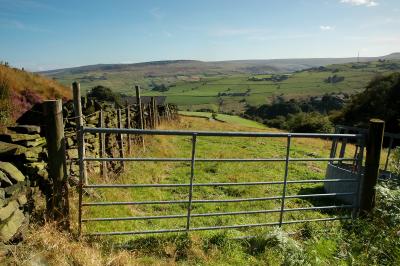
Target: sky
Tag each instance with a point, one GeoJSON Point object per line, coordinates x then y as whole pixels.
{"type": "Point", "coordinates": [50, 34]}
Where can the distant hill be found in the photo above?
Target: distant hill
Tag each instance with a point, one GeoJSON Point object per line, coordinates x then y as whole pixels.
{"type": "Point", "coordinates": [192, 67]}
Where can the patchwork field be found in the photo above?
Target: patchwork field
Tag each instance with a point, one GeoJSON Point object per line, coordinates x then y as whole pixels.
{"type": "Point", "coordinates": [232, 92]}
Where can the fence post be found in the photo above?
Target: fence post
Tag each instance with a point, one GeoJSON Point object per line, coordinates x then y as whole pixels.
{"type": "Point", "coordinates": [103, 168]}
{"type": "Point", "coordinates": [79, 123]}
{"type": "Point", "coordinates": [371, 172]}
{"type": "Point", "coordinates": [128, 125]}
{"type": "Point", "coordinates": [140, 117]}
{"type": "Point", "coordinates": [121, 139]}
{"type": "Point", "coordinates": [59, 209]}
{"type": "Point", "coordinates": [154, 111]}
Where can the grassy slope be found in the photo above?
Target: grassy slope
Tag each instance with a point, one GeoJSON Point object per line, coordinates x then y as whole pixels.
{"type": "Point", "coordinates": [324, 243]}
{"type": "Point", "coordinates": [19, 80]}
{"type": "Point", "coordinates": [232, 119]}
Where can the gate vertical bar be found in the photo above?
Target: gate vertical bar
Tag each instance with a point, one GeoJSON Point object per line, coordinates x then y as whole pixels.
{"type": "Point", "coordinates": [285, 179]}
{"type": "Point", "coordinates": [194, 137]}
{"type": "Point", "coordinates": [360, 159]}
{"type": "Point", "coordinates": [79, 121]}
{"type": "Point", "coordinates": [103, 168]}
{"type": "Point", "coordinates": [81, 176]}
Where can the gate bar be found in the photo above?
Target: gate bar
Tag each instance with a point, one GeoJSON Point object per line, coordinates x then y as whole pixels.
{"type": "Point", "coordinates": [285, 180]}
{"type": "Point", "coordinates": [215, 133]}
{"type": "Point", "coordinates": [213, 201]}
{"type": "Point", "coordinates": [220, 184]}
{"type": "Point", "coordinates": [134, 218]}
{"type": "Point", "coordinates": [189, 209]}
{"type": "Point", "coordinates": [116, 159]}
{"type": "Point", "coordinates": [214, 227]}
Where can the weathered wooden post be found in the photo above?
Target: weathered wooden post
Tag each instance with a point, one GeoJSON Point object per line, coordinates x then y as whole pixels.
{"type": "Point", "coordinates": [59, 209]}
{"type": "Point", "coordinates": [154, 112]}
{"type": "Point", "coordinates": [371, 172]}
{"type": "Point", "coordinates": [128, 125]}
{"type": "Point", "coordinates": [103, 168]}
{"type": "Point", "coordinates": [79, 124]}
{"type": "Point", "coordinates": [121, 139]}
{"type": "Point", "coordinates": [140, 117]}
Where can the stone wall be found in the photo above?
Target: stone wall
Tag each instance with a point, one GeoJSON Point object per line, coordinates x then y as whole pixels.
{"type": "Point", "coordinates": [25, 186]}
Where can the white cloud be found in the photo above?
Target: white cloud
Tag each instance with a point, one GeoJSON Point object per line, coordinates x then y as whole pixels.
{"type": "Point", "coordinates": [368, 3]}
{"type": "Point", "coordinates": [326, 27]}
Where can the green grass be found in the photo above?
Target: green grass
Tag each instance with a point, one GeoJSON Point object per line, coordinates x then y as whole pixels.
{"type": "Point", "coordinates": [232, 119]}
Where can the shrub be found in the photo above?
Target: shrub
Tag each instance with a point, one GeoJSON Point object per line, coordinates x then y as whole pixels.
{"type": "Point", "coordinates": [102, 93]}
{"type": "Point", "coordinates": [309, 122]}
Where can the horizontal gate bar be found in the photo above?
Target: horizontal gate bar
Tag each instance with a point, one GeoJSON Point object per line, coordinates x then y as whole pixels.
{"type": "Point", "coordinates": [133, 218]}
{"type": "Point", "coordinates": [219, 184]}
{"type": "Point", "coordinates": [218, 159]}
{"type": "Point", "coordinates": [213, 227]}
{"type": "Point", "coordinates": [212, 201]}
{"type": "Point", "coordinates": [214, 133]}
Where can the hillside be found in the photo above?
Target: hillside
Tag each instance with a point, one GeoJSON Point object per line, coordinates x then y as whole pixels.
{"type": "Point", "coordinates": [121, 76]}
{"type": "Point", "coordinates": [319, 243]}
{"type": "Point", "coordinates": [19, 90]}
{"type": "Point", "coordinates": [231, 85]}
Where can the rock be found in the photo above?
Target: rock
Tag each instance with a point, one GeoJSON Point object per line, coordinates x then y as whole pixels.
{"type": "Point", "coordinates": [70, 142]}
{"type": "Point", "coordinates": [72, 153]}
{"type": "Point", "coordinates": [6, 211]}
{"type": "Point", "coordinates": [8, 150]}
{"type": "Point", "coordinates": [22, 199]}
{"type": "Point", "coordinates": [4, 179]}
{"type": "Point", "coordinates": [14, 189]}
{"type": "Point", "coordinates": [12, 171]}
{"type": "Point", "coordinates": [26, 129]}
{"type": "Point", "coordinates": [33, 143]}
{"type": "Point", "coordinates": [12, 225]}
{"type": "Point", "coordinates": [15, 137]}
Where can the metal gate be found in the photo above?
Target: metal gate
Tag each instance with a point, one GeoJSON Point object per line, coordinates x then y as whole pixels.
{"type": "Point", "coordinates": [191, 182]}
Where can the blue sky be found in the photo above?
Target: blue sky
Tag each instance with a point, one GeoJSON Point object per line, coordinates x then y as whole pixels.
{"type": "Point", "coordinates": [41, 35]}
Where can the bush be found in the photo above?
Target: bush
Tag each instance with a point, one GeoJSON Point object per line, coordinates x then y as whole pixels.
{"type": "Point", "coordinates": [309, 122]}
{"type": "Point", "coordinates": [102, 93]}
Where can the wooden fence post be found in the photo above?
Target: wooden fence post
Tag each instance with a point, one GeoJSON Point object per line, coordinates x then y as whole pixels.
{"type": "Point", "coordinates": [371, 171]}
{"type": "Point", "coordinates": [57, 163]}
{"type": "Point", "coordinates": [103, 168]}
{"type": "Point", "coordinates": [154, 111]}
{"type": "Point", "coordinates": [79, 123]}
{"type": "Point", "coordinates": [140, 117]}
{"type": "Point", "coordinates": [121, 139]}
{"type": "Point", "coordinates": [128, 125]}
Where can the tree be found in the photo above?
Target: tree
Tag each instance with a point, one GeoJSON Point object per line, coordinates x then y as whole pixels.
{"type": "Point", "coordinates": [381, 99]}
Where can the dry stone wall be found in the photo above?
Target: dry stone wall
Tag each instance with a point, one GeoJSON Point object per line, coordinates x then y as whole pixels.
{"type": "Point", "coordinates": [25, 186]}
